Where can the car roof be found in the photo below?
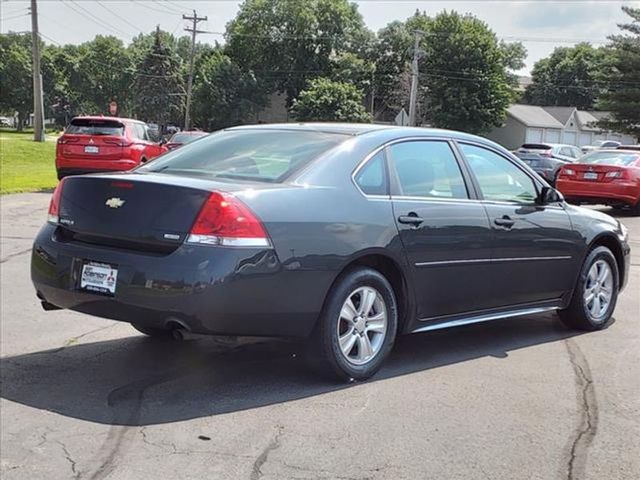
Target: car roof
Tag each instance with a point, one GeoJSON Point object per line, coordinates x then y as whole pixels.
{"type": "Point", "coordinates": [362, 129]}
{"type": "Point", "coordinates": [104, 117]}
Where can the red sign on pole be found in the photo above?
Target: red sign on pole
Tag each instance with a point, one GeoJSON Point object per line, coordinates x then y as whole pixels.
{"type": "Point", "coordinates": [113, 108]}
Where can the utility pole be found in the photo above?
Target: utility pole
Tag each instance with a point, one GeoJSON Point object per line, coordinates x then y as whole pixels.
{"type": "Point", "coordinates": [38, 108]}
{"type": "Point", "coordinates": [414, 79]}
{"type": "Point", "coordinates": [194, 31]}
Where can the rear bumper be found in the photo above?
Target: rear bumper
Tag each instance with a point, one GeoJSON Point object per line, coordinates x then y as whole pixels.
{"type": "Point", "coordinates": [210, 290]}
{"type": "Point", "coordinates": [611, 193]}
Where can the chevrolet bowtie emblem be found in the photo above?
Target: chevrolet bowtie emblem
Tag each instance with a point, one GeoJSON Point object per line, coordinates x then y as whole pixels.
{"type": "Point", "coordinates": [114, 202]}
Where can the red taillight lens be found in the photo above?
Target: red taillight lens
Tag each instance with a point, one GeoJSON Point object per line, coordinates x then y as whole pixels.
{"type": "Point", "coordinates": [225, 220]}
{"type": "Point", "coordinates": [54, 205]}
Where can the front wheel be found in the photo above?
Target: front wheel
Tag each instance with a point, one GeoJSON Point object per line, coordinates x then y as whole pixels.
{"type": "Point", "coordinates": [596, 293]}
{"type": "Point", "coordinates": [357, 327]}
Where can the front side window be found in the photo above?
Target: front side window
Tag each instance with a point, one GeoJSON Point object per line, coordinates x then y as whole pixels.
{"type": "Point", "coordinates": [372, 178]}
{"type": "Point", "coordinates": [498, 178]}
{"type": "Point", "coordinates": [426, 169]}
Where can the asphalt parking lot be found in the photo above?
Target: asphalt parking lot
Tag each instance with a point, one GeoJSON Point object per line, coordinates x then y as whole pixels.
{"type": "Point", "coordinates": [523, 398]}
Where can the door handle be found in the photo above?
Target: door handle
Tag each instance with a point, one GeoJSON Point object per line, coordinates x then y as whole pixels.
{"type": "Point", "coordinates": [505, 221]}
{"type": "Point", "coordinates": [410, 219]}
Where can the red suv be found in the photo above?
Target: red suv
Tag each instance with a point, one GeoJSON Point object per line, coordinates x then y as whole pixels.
{"type": "Point", "coordinates": [104, 144]}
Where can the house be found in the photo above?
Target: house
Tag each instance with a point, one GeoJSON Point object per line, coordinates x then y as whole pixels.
{"type": "Point", "coordinates": [535, 124]}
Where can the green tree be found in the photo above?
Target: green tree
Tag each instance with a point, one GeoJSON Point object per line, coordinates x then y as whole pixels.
{"type": "Point", "coordinates": [622, 88]}
{"type": "Point", "coordinates": [325, 100]}
{"type": "Point", "coordinates": [288, 42]}
{"type": "Point", "coordinates": [16, 87]}
{"type": "Point", "coordinates": [224, 95]}
{"type": "Point", "coordinates": [464, 72]}
{"type": "Point", "coordinates": [100, 71]}
{"type": "Point", "coordinates": [158, 89]}
{"type": "Point", "coordinates": [450, 69]}
{"type": "Point", "coordinates": [568, 77]}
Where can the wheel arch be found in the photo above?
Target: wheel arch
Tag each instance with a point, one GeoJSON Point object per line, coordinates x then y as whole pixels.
{"type": "Point", "coordinates": [392, 270]}
{"type": "Point", "coordinates": [609, 241]}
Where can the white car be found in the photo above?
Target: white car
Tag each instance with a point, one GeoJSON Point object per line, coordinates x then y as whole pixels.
{"type": "Point", "coordinates": [599, 145]}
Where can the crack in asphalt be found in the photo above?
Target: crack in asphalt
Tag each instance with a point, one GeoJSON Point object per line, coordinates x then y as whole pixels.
{"type": "Point", "coordinates": [584, 434]}
{"type": "Point", "coordinates": [71, 461]}
{"type": "Point", "coordinates": [256, 471]}
{"type": "Point", "coordinates": [13, 255]}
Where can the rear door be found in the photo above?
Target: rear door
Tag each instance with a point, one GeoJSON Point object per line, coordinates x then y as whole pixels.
{"type": "Point", "coordinates": [535, 250]}
{"type": "Point", "coordinates": [444, 230]}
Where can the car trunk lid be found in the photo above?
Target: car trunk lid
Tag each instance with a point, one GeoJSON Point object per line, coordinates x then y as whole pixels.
{"type": "Point", "coordinates": [153, 213]}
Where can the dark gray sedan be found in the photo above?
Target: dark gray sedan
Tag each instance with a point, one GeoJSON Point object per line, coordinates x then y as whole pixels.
{"type": "Point", "coordinates": [347, 235]}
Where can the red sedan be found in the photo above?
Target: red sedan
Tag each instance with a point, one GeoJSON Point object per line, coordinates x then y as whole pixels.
{"type": "Point", "coordinates": [609, 177]}
{"type": "Point", "coordinates": [104, 144]}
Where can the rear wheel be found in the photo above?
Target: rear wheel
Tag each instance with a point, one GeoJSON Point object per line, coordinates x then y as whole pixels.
{"type": "Point", "coordinates": [596, 293]}
{"type": "Point", "coordinates": [357, 328]}
{"type": "Point", "coordinates": [153, 332]}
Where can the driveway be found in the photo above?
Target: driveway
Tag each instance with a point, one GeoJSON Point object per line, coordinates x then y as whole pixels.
{"type": "Point", "coordinates": [521, 398]}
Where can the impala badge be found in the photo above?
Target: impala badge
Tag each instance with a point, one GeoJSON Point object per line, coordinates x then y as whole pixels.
{"type": "Point", "coordinates": [114, 202]}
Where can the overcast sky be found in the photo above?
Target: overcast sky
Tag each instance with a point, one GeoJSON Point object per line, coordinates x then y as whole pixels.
{"type": "Point", "coordinates": [541, 25]}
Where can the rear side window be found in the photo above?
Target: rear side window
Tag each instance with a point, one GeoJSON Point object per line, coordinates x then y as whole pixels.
{"type": "Point", "coordinates": [372, 178]}
{"type": "Point", "coordinates": [260, 154]}
{"type": "Point", "coordinates": [427, 169]}
{"type": "Point", "coordinates": [138, 131]}
{"type": "Point", "coordinates": [86, 126]}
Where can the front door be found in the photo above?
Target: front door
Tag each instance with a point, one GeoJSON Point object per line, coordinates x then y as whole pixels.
{"type": "Point", "coordinates": [444, 230]}
{"type": "Point", "coordinates": [534, 252]}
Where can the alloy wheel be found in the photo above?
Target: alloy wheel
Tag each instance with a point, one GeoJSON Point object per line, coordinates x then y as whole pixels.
{"type": "Point", "coordinates": [362, 325]}
{"type": "Point", "coordinates": [598, 290]}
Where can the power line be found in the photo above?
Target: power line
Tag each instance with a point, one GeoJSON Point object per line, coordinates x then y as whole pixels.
{"type": "Point", "coordinates": [135, 28]}
{"type": "Point", "coordinates": [90, 17]}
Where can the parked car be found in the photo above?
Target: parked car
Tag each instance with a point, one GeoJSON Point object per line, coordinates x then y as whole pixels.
{"type": "Point", "coordinates": [181, 138]}
{"type": "Point", "coordinates": [346, 235]}
{"type": "Point", "coordinates": [546, 167]}
{"type": "Point", "coordinates": [566, 153]}
{"type": "Point", "coordinates": [609, 177]}
{"type": "Point", "coordinates": [103, 144]}
{"type": "Point", "coordinates": [599, 145]}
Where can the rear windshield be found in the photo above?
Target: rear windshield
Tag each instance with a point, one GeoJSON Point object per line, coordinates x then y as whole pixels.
{"type": "Point", "coordinates": [610, 158]}
{"type": "Point", "coordinates": [86, 126]}
{"type": "Point", "coordinates": [186, 137]}
{"type": "Point", "coordinates": [262, 155]}
{"type": "Point", "coordinates": [536, 146]}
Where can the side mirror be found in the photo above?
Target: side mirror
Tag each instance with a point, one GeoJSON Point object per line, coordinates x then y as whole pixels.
{"type": "Point", "coordinates": [549, 195]}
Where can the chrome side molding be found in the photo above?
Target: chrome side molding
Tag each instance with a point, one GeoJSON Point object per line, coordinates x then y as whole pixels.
{"type": "Point", "coordinates": [484, 318]}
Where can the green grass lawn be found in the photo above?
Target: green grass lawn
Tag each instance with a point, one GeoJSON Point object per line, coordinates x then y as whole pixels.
{"type": "Point", "coordinates": [25, 165]}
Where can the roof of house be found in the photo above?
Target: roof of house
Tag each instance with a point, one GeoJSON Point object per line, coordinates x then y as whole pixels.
{"type": "Point", "coordinates": [533, 116]}
{"type": "Point", "coordinates": [562, 114]}
{"type": "Point", "coordinates": [587, 120]}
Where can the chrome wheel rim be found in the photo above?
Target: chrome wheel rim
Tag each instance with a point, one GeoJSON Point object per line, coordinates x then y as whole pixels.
{"type": "Point", "coordinates": [362, 325]}
{"type": "Point", "coordinates": [598, 290]}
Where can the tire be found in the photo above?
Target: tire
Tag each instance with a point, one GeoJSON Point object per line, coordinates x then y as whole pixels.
{"type": "Point", "coordinates": [160, 333]}
{"type": "Point", "coordinates": [371, 334]}
{"type": "Point", "coordinates": [635, 209]}
{"type": "Point", "coordinates": [582, 314]}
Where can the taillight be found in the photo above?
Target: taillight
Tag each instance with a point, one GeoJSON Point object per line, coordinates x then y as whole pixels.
{"type": "Point", "coordinates": [614, 174]}
{"type": "Point", "coordinates": [568, 171]}
{"type": "Point", "coordinates": [225, 220]}
{"type": "Point", "coordinates": [54, 205]}
{"type": "Point", "coordinates": [547, 153]}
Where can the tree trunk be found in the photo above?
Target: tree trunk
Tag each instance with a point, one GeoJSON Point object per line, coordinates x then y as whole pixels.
{"type": "Point", "coordinates": [21, 117]}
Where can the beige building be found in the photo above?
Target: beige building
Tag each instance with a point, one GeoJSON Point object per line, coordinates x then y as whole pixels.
{"type": "Point", "coordinates": [568, 125]}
